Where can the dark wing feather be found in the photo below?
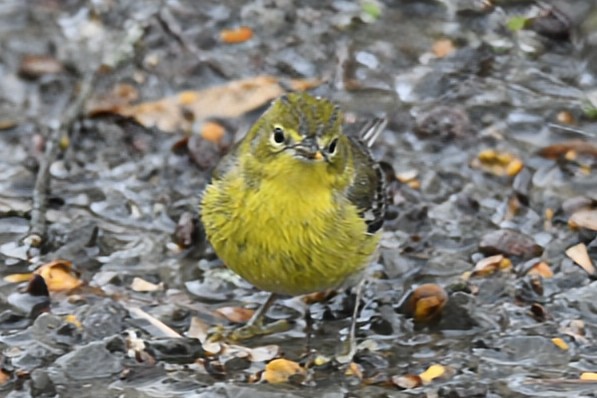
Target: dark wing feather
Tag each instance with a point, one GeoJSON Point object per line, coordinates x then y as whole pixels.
{"type": "Point", "coordinates": [367, 191]}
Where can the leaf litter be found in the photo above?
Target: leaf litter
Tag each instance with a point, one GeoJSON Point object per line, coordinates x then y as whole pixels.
{"type": "Point", "coordinates": [502, 248]}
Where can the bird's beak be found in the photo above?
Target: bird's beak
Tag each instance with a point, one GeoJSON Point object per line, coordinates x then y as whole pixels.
{"type": "Point", "coordinates": [309, 149]}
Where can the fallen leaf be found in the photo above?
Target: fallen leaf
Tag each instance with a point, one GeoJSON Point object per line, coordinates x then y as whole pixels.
{"type": "Point", "coordinates": [72, 319]}
{"type": "Point", "coordinates": [321, 360]}
{"type": "Point", "coordinates": [235, 314]}
{"type": "Point", "coordinates": [562, 149]}
{"type": "Point", "coordinates": [4, 377]}
{"type": "Point", "coordinates": [280, 370]}
{"type": "Point", "coordinates": [141, 285]}
{"type": "Point", "coordinates": [179, 112]}
{"type": "Point", "coordinates": [354, 369]}
{"type": "Point", "coordinates": [517, 23]}
{"type": "Point", "coordinates": [589, 376]}
{"type": "Point", "coordinates": [407, 382]}
{"type": "Point", "coordinates": [17, 278]}
{"type": "Point", "coordinates": [432, 373]}
{"type": "Point", "coordinates": [580, 255]}
{"type": "Point", "coordinates": [304, 84]}
{"type": "Point", "coordinates": [198, 329]}
{"type": "Point", "coordinates": [118, 99]}
{"type": "Point", "coordinates": [59, 276]}
{"type": "Point", "coordinates": [238, 35]}
{"type": "Point", "coordinates": [498, 163]}
{"type": "Point", "coordinates": [213, 131]}
{"type": "Point", "coordinates": [318, 297]}
{"type": "Point", "coordinates": [538, 312]}
{"type": "Point", "coordinates": [565, 117]}
{"type": "Point", "coordinates": [542, 269]}
{"type": "Point", "coordinates": [34, 66]}
{"type": "Point", "coordinates": [490, 265]}
{"type": "Point", "coordinates": [443, 47]}
{"type": "Point", "coordinates": [407, 176]}
{"type": "Point", "coordinates": [560, 343]}
{"type": "Point", "coordinates": [584, 218]}
{"type": "Point", "coordinates": [510, 243]}
{"type": "Point", "coordinates": [426, 302]}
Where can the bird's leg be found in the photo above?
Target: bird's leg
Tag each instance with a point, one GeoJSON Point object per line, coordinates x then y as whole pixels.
{"type": "Point", "coordinates": [257, 318]}
{"type": "Point", "coordinates": [349, 346]}
{"type": "Point", "coordinates": [255, 326]}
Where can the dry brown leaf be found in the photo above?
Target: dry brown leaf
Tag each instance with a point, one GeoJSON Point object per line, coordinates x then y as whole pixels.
{"type": "Point", "coordinates": [213, 131]}
{"type": "Point", "coordinates": [569, 148]}
{"type": "Point", "coordinates": [120, 97]}
{"type": "Point", "coordinates": [580, 255]}
{"type": "Point", "coordinates": [584, 218]}
{"type": "Point", "coordinates": [318, 297]}
{"type": "Point", "coordinates": [498, 163]}
{"type": "Point", "coordinates": [238, 35]}
{"type": "Point", "coordinates": [492, 264]}
{"type": "Point", "coordinates": [354, 369]}
{"type": "Point", "coordinates": [280, 370]}
{"type": "Point", "coordinates": [17, 278]}
{"type": "Point", "coordinates": [565, 117]}
{"type": "Point", "coordinates": [235, 314]}
{"type": "Point", "coordinates": [426, 302]}
{"type": "Point", "coordinates": [560, 343]}
{"type": "Point", "coordinates": [304, 84]}
{"type": "Point", "coordinates": [407, 382]}
{"type": "Point", "coordinates": [59, 276]}
{"type": "Point", "coordinates": [198, 329]}
{"type": "Point", "coordinates": [443, 47]}
{"type": "Point", "coordinates": [141, 285]}
{"type": "Point", "coordinates": [4, 377]}
{"type": "Point", "coordinates": [541, 268]}
{"type": "Point", "coordinates": [432, 373]}
{"type": "Point", "coordinates": [34, 66]}
{"type": "Point", "coordinates": [180, 111]}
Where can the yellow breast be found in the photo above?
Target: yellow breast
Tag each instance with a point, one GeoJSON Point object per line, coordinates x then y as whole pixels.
{"type": "Point", "coordinates": [288, 236]}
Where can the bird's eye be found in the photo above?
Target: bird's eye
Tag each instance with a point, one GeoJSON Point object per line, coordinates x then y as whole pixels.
{"type": "Point", "coordinates": [278, 136]}
{"type": "Point", "coordinates": [332, 146]}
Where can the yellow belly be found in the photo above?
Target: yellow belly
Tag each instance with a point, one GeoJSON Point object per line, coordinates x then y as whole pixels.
{"type": "Point", "coordinates": [286, 240]}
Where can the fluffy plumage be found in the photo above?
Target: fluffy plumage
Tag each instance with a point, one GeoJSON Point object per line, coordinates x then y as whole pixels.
{"type": "Point", "coordinates": [297, 206]}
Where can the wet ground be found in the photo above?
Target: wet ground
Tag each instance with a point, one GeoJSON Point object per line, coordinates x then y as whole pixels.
{"type": "Point", "coordinates": [485, 284]}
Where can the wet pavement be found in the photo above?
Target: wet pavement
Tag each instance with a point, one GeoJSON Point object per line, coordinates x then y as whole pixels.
{"type": "Point", "coordinates": [485, 285]}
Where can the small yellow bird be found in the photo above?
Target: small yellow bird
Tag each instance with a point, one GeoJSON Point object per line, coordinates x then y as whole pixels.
{"type": "Point", "coordinates": [297, 206]}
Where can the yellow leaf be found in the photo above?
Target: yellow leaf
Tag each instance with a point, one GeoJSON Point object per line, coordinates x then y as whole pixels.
{"type": "Point", "coordinates": [433, 372]}
{"type": "Point", "coordinates": [354, 369]}
{"type": "Point", "coordinates": [589, 376]}
{"type": "Point", "coordinates": [280, 370]}
{"type": "Point", "coordinates": [17, 278]}
{"type": "Point", "coordinates": [71, 318]}
{"type": "Point", "coordinates": [561, 344]}
{"type": "Point", "coordinates": [498, 163]}
{"type": "Point", "coordinates": [59, 276]}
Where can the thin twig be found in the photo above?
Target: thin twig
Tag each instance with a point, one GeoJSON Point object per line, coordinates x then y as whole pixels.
{"type": "Point", "coordinates": [161, 329]}
{"type": "Point", "coordinates": [37, 230]}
